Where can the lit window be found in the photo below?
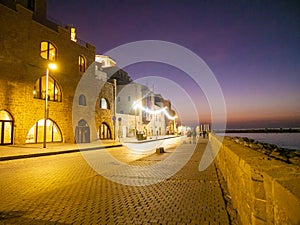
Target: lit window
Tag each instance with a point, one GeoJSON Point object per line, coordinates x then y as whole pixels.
{"type": "Point", "coordinates": [104, 104]}
{"type": "Point", "coordinates": [73, 34]}
{"type": "Point", "coordinates": [6, 128]}
{"type": "Point", "coordinates": [82, 100]}
{"type": "Point", "coordinates": [36, 133]}
{"type": "Point", "coordinates": [104, 131]}
{"type": "Point", "coordinates": [48, 51]}
{"type": "Point", "coordinates": [81, 63]}
{"type": "Point", "coordinates": [54, 91]}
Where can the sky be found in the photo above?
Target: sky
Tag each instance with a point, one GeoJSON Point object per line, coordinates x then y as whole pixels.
{"type": "Point", "coordinates": [251, 47]}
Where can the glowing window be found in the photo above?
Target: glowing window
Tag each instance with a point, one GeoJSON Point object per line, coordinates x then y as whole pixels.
{"type": "Point", "coordinates": [104, 104]}
{"type": "Point", "coordinates": [54, 91]}
{"type": "Point", "coordinates": [48, 51]}
{"type": "Point", "coordinates": [81, 63]}
{"type": "Point", "coordinates": [73, 34]}
{"type": "Point", "coordinates": [6, 128]}
{"type": "Point", "coordinates": [36, 133]}
{"type": "Point", "coordinates": [104, 131]}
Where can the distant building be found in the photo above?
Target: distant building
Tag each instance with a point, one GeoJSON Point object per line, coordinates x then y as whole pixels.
{"type": "Point", "coordinates": [29, 42]}
{"type": "Point", "coordinates": [105, 61]}
{"type": "Point", "coordinates": [170, 123]}
{"type": "Point", "coordinates": [115, 73]}
{"type": "Point", "coordinates": [140, 110]}
{"type": "Point", "coordinates": [127, 97]}
{"type": "Point", "coordinates": [95, 107]}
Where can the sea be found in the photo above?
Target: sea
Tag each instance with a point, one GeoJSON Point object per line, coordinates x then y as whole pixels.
{"type": "Point", "coordinates": [283, 140]}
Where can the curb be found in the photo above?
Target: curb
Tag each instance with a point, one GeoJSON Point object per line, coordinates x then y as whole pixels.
{"type": "Point", "coordinates": [150, 140]}
{"type": "Point", "coordinates": [33, 155]}
{"type": "Point", "coordinates": [6, 158]}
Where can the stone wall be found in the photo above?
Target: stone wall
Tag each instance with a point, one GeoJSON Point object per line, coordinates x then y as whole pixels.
{"type": "Point", "coordinates": [105, 115]}
{"type": "Point", "coordinates": [21, 65]}
{"type": "Point", "coordinates": [262, 189]}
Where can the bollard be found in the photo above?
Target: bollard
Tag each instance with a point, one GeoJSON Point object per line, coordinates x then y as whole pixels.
{"type": "Point", "coordinates": [160, 150]}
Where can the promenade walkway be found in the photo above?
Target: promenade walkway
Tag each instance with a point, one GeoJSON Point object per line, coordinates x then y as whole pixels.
{"type": "Point", "coordinates": [10, 152]}
{"type": "Point", "coordinates": [72, 193]}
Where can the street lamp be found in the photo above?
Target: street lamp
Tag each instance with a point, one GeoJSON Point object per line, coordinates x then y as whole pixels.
{"type": "Point", "coordinates": [51, 66]}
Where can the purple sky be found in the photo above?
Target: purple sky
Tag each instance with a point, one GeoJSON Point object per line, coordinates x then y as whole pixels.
{"type": "Point", "coordinates": [252, 47]}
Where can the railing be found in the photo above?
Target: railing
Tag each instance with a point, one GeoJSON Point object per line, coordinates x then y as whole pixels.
{"type": "Point", "coordinates": [81, 42]}
{"type": "Point", "coordinates": [56, 21]}
{"type": "Point", "coordinates": [59, 23]}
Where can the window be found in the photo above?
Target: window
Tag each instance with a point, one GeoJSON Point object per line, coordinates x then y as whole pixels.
{"type": "Point", "coordinates": [48, 51]}
{"type": "Point", "coordinates": [81, 63]}
{"type": "Point", "coordinates": [129, 98]}
{"type": "Point", "coordinates": [36, 133]}
{"type": "Point", "coordinates": [119, 99]}
{"type": "Point", "coordinates": [73, 34]}
{"type": "Point", "coordinates": [54, 91]}
{"type": "Point", "coordinates": [104, 104]}
{"type": "Point", "coordinates": [82, 132]}
{"type": "Point", "coordinates": [6, 128]}
{"type": "Point", "coordinates": [104, 131]}
{"type": "Point", "coordinates": [30, 4]}
{"type": "Point", "coordinates": [82, 100]}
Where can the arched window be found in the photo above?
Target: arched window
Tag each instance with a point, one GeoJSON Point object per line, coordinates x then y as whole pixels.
{"type": "Point", "coordinates": [104, 103]}
{"type": "Point", "coordinates": [81, 63]}
{"type": "Point", "coordinates": [82, 100]}
{"type": "Point", "coordinates": [36, 133]}
{"type": "Point", "coordinates": [54, 91]}
{"type": "Point", "coordinates": [48, 51]}
{"type": "Point", "coordinates": [104, 131]}
{"type": "Point", "coordinates": [6, 128]}
{"type": "Point", "coordinates": [82, 132]}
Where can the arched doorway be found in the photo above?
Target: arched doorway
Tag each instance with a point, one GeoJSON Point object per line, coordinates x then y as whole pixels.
{"type": "Point", "coordinates": [36, 132]}
{"type": "Point", "coordinates": [104, 131]}
{"type": "Point", "coordinates": [82, 132]}
{"type": "Point", "coordinates": [6, 128]}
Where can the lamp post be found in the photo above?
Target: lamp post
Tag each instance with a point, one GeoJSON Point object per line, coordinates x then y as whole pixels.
{"type": "Point", "coordinates": [115, 107]}
{"type": "Point", "coordinates": [50, 66]}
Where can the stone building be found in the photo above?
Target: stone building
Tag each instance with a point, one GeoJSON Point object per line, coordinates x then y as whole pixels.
{"type": "Point", "coordinates": [140, 110]}
{"type": "Point", "coordinates": [94, 106]}
{"type": "Point", "coordinates": [28, 43]}
{"type": "Point", "coordinates": [127, 96]}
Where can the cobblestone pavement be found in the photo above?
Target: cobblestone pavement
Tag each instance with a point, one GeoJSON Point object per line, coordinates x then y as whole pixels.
{"type": "Point", "coordinates": [64, 189]}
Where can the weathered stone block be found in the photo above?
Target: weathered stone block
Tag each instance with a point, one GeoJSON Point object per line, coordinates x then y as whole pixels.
{"type": "Point", "coordinates": [258, 188]}
{"type": "Point", "coordinates": [259, 209]}
{"type": "Point", "coordinates": [258, 221]}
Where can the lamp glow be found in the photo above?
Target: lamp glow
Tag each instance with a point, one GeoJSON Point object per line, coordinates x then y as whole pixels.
{"type": "Point", "coordinates": [52, 66]}
{"type": "Point", "coordinates": [155, 112]}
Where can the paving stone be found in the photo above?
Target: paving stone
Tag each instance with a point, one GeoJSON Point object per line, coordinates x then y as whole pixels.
{"type": "Point", "coordinates": [63, 189]}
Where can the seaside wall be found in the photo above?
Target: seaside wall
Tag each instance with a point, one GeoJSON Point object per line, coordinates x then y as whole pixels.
{"type": "Point", "coordinates": [263, 190]}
